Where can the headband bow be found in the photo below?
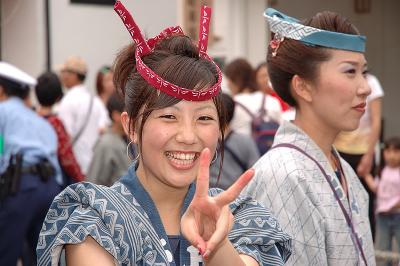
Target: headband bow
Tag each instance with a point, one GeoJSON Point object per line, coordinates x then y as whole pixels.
{"type": "Point", "coordinates": [145, 47]}
{"type": "Point", "coordinates": [287, 27]}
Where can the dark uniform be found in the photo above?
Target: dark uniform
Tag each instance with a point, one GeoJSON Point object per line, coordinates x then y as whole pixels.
{"type": "Point", "coordinates": [30, 173]}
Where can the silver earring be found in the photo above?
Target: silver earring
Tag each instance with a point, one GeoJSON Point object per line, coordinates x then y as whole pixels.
{"type": "Point", "coordinates": [215, 157]}
{"type": "Point", "coordinates": [128, 153]}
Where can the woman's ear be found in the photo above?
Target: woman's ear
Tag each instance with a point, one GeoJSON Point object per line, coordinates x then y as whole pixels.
{"type": "Point", "coordinates": [129, 127]}
{"type": "Point", "coordinates": [301, 89]}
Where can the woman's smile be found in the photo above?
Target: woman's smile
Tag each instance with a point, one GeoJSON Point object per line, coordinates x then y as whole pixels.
{"type": "Point", "coordinates": [182, 160]}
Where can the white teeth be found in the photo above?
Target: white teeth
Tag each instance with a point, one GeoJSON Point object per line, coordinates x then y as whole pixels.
{"type": "Point", "coordinates": [181, 156]}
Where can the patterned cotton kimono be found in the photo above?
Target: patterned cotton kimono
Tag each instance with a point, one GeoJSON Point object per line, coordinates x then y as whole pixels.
{"type": "Point", "coordinates": [296, 191]}
{"type": "Point", "coordinates": [124, 221]}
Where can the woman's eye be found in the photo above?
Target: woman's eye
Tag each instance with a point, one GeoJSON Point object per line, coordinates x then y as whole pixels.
{"type": "Point", "coordinates": [350, 71]}
{"type": "Point", "coordinates": [167, 116]}
{"type": "Point", "coordinates": [365, 72]}
{"type": "Point", "coordinates": [205, 118]}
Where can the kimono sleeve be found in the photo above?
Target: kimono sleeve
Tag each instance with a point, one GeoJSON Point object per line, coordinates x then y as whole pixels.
{"type": "Point", "coordinates": [74, 215]}
{"type": "Point", "coordinates": [258, 234]}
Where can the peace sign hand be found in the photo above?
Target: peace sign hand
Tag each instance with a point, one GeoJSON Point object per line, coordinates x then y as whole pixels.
{"type": "Point", "coordinates": [208, 220]}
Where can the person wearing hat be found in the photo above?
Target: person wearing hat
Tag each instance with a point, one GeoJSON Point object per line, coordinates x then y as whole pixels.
{"type": "Point", "coordinates": [81, 113]}
{"type": "Point", "coordinates": [30, 175]}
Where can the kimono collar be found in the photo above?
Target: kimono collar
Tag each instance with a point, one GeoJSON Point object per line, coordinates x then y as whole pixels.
{"type": "Point", "coordinates": [290, 133]}
{"type": "Point", "coordinates": [131, 181]}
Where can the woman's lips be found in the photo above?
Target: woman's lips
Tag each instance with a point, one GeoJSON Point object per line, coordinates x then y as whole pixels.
{"type": "Point", "coordinates": [360, 107]}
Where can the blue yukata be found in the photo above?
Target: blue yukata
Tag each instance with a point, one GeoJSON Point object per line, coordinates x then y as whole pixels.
{"type": "Point", "coordinates": [298, 193]}
{"type": "Point", "coordinates": [124, 221]}
{"type": "Point", "coordinates": [21, 215]}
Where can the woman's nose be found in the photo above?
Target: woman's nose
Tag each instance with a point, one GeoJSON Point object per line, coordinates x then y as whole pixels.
{"type": "Point", "coordinates": [186, 133]}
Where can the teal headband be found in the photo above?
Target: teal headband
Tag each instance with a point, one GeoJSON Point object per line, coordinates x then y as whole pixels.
{"type": "Point", "coordinates": [288, 27]}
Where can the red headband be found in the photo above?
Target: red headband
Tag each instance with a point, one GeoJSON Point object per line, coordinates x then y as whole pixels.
{"type": "Point", "coordinates": [144, 47]}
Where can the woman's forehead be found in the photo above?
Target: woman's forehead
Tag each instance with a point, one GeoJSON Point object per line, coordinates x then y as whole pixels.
{"type": "Point", "coordinates": [200, 105]}
{"type": "Point", "coordinates": [353, 58]}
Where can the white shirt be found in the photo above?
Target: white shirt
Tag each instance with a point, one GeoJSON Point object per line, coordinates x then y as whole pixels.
{"type": "Point", "coordinates": [241, 121]}
{"type": "Point", "coordinates": [376, 92]}
{"type": "Point", "coordinates": [105, 118]}
{"type": "Point", "coordinates": [72, 111]}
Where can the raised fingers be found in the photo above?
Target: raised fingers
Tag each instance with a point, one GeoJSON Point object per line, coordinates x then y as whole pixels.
{"type": "Point", "coordinates": [203, 174]}
{"type": "Point", "coordinates": [221, 231]}
{"type": "Point", "coordinates": [234, 190]}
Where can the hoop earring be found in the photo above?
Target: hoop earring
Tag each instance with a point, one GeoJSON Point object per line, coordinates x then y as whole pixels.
{"type": "Point", "coordinates": [128, 153]}
{"type": "Point", "coordinates": [215, 157]}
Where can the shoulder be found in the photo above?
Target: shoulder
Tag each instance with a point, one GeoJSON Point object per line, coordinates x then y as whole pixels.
{"type": "Point", "coordinates": [279, 159]}
{"type": "Point", "coordinates": [277, 172]}
{"type": "Point", "coordinates": [55, 121]}
{"type": "Point", "coordinates": [85, 209]}
{"type": "Point", "coordinates": [109, 141]}
{"type": "Point", "coordinates": [240, 139]}
{"type": "Point", "coordinates": [257, 232]}
{"type": "Point", "coordinates": [244, 98]}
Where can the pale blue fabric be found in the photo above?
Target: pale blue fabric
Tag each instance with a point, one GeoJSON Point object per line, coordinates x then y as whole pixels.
{"type": "Point", "coordinates": [26, 132]}
{"type": "Point", "coordinates": [124, 221]}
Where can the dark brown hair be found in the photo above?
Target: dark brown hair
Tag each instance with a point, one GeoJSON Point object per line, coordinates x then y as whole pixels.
{"type": "Point", "coordinates": [240, 72]}
{"type": "Point", "coordinates": [392, 142]}
{"type": "Point", "coordinates": [99, 79]}
{"type": "Point", "coordinates": [175, 59]}
{"type": "Point", "coordinates": [294, 57]}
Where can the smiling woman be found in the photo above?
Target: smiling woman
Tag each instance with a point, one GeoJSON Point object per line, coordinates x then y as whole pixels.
{"type": "Point", "coordinates": [162, 212]}
{"type": "Point", "coordinates": [317, 66]}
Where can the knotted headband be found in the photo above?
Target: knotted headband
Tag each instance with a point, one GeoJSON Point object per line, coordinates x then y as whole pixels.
{"type": "Point", "coordinates": [145, 47]}
{"type": "Point", "coordinates": [287, 27]}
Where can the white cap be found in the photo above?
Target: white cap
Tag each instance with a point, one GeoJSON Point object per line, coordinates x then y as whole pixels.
{"type": "Point", "coordinates": [15, 74]}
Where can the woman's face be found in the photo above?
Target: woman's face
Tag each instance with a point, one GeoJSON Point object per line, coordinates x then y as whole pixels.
{"type": "Point", "coordinates": [263, 80]}
{"type": "Point", "coordinates": [392, 156]}
{"type": "Point", "coordinates": [173, 138]}
{"type": "Point", "coordinates": [108, 84]}
{"type": "Point", "coordinates": [339, 94]}
{"type": "Point", "coordinates": [234, 88]}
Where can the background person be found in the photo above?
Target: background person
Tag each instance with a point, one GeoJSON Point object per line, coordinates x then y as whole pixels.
{"type": "Point", "coordinates": [110, 160]}
{"type": "Point", "coordinates": [48, 92]}
{"type": "Point", "coordinates": [240, 152]}
{"type": "Point", "coordinates": [30, 175]}
{"type": "Point", "coordinates": [81, 113]}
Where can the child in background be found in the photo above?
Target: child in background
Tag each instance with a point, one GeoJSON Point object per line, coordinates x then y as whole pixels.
{"type": "Point", "coordinates": [240, 152]}
{"type": "Point", "coordinates": [110, 160]}
{"type": "Point", "coordinates": [387, 190]}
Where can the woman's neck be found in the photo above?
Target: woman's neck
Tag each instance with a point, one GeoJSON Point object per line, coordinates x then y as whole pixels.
{"type": "Point", "coordinates": [44, 111]}
{"type": "Point", "coordinates": [104, 98]}
{"type": "Point", "coordinates": [317, 130]}
{"type": "Point", "coordinates": [168, 201]}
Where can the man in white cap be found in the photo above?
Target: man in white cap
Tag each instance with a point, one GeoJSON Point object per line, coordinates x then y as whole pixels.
{"type": "Point", "coordinates": [80, 112]}
{"type": "Point", "coordinates": [30, 175]}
